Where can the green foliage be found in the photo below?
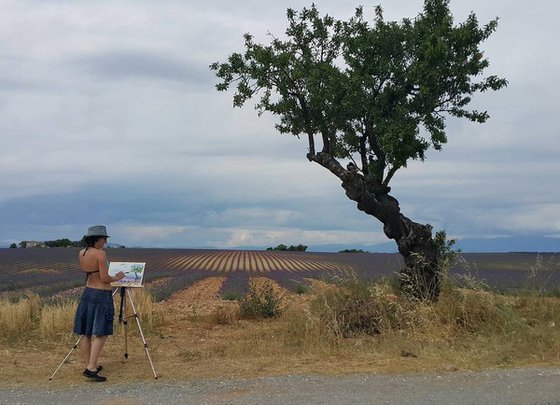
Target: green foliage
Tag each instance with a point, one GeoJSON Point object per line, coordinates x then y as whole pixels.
{"type": "Point", "coordinates": [445, 249]}
{"type": "Point", "coordinates": [13, 246]}
{"type": "Point", "coordinates": [366, 87]}
{"type": "Point", "coordinates": [301, 288]}
{"type": "Point", "coordinates": [59, 243]}
{"type": "Point", "coordinates": [231, 296]}
{"type": "Point", "coordinates": [352, 251]}
{"type": "Point", "coordinates": [283, 248]}
{"type": "Point", "coordinates": [260, 303]}
{"type": "Point", "coordinates": [447, 255]}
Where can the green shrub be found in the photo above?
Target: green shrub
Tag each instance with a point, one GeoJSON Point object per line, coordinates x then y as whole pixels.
{"type": "Point", "coordinates": [301, 288]}
{"type": "Point", "coordinates": [348, 316]}
{"type": "Point", "coordinates": [360, 308]}
{"type": "Point", "coordinates": [260, 303]}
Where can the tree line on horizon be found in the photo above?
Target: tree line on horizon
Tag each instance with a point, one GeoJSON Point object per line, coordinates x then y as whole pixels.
{"type": "Point", "coordinates": [283, 248]}
{"type": "Point", "coordinates": [64, 242]}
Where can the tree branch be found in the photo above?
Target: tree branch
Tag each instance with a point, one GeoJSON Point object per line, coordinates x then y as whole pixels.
{"type": "Point", "coordinates": [331, 164]}
{"type": "Point", "coordinates": [390, 175]}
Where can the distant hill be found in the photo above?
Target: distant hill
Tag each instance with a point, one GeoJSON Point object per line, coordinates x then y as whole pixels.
{"type": "Point", "coordinates": [114, 246]}
{"type": "Point", "coordinates": [513, 244]}
{"type": "Point", "coordinates": [491, 245]}
{"type": "Point", "coordinates": [388, 247]}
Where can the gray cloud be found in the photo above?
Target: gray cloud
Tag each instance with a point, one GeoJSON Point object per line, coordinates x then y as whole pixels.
{"type": "Point", "coordinates": [148, 65]}
{"type": "Point", "coordinates": [108, 114]}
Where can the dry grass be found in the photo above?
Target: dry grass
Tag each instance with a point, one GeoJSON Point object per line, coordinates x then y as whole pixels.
{"type": "Point", "coordinates": [55, 318]}
{"type": "Point", "coordinates": [465, 330]}
{"type": "Point", "coordinates": [31, 318]}
{"type": "Point", "coordinates": [20, 317]}
{"type": "Point", "coordinates": [330, 330]}
{"type": "Point", "coordinates": [152, 316]}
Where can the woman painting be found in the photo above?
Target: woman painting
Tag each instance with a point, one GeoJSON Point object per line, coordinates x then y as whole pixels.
{"type": "Point", "coordinates": [94, 317]}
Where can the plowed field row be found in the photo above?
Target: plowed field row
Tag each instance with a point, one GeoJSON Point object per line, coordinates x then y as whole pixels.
{"type": "Point", "coordinates": [251, 261]}
{"type": "Point", "coordinates": [51, 270]}
{"type": "Point", "coordinates": [215, 261]}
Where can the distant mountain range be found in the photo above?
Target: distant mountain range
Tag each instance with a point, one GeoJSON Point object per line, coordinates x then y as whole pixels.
{"type": "Point", "coordinates": [492, 245]}
{"type": "Point", "coordinates": [513, 244]}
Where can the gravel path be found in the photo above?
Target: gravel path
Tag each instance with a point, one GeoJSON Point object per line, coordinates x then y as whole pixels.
{"type": "Point", "coordinates": [516, 386]}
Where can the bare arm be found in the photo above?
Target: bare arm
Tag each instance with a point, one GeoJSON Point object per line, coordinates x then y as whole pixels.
{"type": "Point", "coordinates": [104, 270]}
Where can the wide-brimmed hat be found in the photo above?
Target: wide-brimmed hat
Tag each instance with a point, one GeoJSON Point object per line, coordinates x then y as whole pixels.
{"type": "Point", "coordinates": [97, 230]}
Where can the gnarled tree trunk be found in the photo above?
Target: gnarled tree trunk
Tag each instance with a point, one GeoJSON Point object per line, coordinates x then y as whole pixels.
{"type": "Point", "coordinates": [420, 278]}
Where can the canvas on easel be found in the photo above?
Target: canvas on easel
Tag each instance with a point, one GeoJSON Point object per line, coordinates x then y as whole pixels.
{"type": "Point", "coordinates": [133, 273]}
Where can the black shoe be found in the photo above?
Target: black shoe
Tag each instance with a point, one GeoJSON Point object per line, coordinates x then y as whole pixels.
{"type": "Point", "coordinates": [92, 375]}
{"type": "Point", "coordinates": [99, 368]}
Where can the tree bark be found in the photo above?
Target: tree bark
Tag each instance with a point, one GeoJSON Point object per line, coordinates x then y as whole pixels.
{"type": "Point", "coordinates": [420, 278]}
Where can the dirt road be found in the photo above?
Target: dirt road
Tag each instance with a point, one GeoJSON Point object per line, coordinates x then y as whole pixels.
{"type": "Point", "coordinates": [517, 386]}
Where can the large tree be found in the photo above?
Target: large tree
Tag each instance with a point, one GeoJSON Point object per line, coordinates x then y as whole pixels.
{"type": "Point", "coordinates": [375, 94]}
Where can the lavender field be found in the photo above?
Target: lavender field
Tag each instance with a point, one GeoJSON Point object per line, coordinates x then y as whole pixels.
{"type": "Point", "coordinates": [52, 271]}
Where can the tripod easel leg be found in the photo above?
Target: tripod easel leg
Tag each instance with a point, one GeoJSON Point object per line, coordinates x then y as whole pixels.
{"type": "Point", "coordinates": [123, 319]}
{"type": "Point", "coordinates": [68, 355]}
{"type": "Point", "coordinates": [141, 333]}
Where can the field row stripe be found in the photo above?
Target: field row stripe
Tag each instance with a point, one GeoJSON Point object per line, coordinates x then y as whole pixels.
{"type": "Point", "coordinates": [231, 261]}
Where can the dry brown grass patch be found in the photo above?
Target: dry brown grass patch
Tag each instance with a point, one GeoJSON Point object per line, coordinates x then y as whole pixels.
{"type": "Point", "coordinates": [466, 329]}
{"type": "Point", "coordinates": [19, 317]}
{"type": "Point", "coordinates": [57, 319]}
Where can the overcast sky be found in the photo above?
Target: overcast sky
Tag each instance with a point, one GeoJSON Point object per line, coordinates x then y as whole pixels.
{"type": "Point", "coordinates": [108, 115]}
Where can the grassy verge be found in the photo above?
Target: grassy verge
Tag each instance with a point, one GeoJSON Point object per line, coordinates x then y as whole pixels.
{"type": "Point", "coordinates": [468, 328]}
{"type": "Point", "coordinates": [31, 318]}
{"type": "Point", "coordinates": [339, 328]}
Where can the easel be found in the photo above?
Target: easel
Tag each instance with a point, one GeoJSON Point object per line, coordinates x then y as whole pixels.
{"type": "Point", "coordinates": [123, 320]}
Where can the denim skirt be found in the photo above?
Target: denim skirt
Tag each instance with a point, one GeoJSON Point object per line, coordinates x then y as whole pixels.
{"type": "Point", "coordinates": [95, 313]}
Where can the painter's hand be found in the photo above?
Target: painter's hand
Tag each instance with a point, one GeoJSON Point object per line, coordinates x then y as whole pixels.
{"type": "Point", "coordinates": [119, 276]}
